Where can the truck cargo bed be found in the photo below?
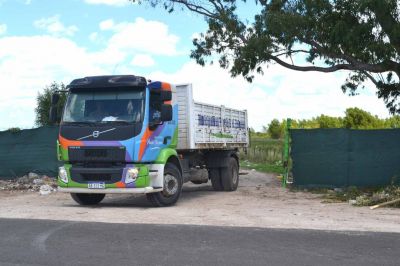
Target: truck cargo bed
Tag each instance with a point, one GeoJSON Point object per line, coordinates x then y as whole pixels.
{"type": "Point", "coordinates": [206, 126]}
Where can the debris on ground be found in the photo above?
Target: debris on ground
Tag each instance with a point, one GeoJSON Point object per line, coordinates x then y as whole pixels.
{"type": "Point", "coordinates": [46, 190]}
{"type": "Point", "coordinates": [361, 197]}
{"type": "Point", "coordinates": [385, 204]}
{"type": "Point", "coordinates": [31, 182]}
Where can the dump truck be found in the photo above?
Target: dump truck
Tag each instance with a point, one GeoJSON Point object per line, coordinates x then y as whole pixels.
{"type": "Point", "coordinates": [126, 134]}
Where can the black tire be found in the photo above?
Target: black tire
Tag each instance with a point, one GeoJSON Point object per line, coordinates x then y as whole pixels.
{"type": "Point", "coordinates": [172, 188]}
{"type": "Point", "coordinates": [215, 177]}
{"type": "Point", "coordinates": [230, 175]}
{"type": "Point", "coordinates": [87, 199]}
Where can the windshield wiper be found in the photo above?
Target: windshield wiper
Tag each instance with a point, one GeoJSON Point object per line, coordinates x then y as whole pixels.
{"type": "Point", "coordinates": [119, 122]}
{"type": "Point", "coordinates": [80, 123]}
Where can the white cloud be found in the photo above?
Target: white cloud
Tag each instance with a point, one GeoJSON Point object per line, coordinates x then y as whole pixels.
{"type": "Point", "coordinates": [54, 26]}
{"type": "Point", "coordinates": [3, 29]}
{"type": "Point", "coordinates": [27, 69]}
{"type": "Point", "coordinates": [106, 24]}
{"type": "Point", "coordinates": [118, 3]}
{"type": "Point", "coordinates": [280, 93]}
{"type": "Point", "coordinates": [135, 36]}
{"type": "Point", "coordinates": [195, 35]}
{"type": "Point", "coordinates": [142, 60]}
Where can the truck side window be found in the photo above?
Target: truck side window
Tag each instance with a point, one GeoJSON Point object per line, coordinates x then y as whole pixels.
{"type": "Point", "coordinates": [155, 109]}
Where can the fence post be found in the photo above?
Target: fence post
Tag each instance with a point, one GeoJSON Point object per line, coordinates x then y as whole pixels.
{"type": "Point", "coordinates": [286, 152]}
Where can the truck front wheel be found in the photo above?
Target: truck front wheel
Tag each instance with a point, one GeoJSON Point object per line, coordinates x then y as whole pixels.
{"type": "Point", "coordinates": [172, 188]}
{"type": "Point", "coordinates": [87, 199]}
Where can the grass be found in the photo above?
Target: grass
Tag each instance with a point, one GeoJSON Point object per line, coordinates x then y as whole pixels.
{"type": "Point", "coordinates": [263, 167]}
{"type": "Point", "coordinates": [264, 155]}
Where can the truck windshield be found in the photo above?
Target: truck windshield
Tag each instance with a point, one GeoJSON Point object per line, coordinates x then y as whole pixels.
{"type": "Point", "coordinates": [105, 106]}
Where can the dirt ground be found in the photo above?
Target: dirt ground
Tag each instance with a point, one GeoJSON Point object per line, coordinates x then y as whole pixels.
{"type": "Point", "coordinates": [258, 202]}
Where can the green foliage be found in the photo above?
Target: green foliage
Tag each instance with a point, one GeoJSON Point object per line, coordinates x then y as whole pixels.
{"type": "Point", "coordinates": [275, 129]}
{"type": "Point", "coordinates": [14, 129]}
{"type": "Point", "coordinates": [258, 134]}
{"type": "Point", "coordinates": [43, 103]}
{"type": "Point", "coordinates": [360, 36]}
{"type": "Point", "coordinates": [359, 119]}
{"type": "Point", "coordinates": [325, 121]}
{"type": "Point", "coordinates": [264, 151]}
{"type": "Point", "coordinates": [263, 167]}
{"type": "Point", "coordinates": [354, 118]}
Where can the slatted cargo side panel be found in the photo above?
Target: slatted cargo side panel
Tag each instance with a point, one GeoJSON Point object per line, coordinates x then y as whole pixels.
{"type": "Point", "coordinates": [185, 100]}
{"type": "Point", "coordinates": [219, 127]}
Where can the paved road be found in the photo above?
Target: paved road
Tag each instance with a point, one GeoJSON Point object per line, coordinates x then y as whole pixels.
{"type": "Point", "coordinates": [44, 242]}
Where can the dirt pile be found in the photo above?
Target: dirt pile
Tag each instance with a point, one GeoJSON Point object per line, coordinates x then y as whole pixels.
{"type": "Point", "coordinates": [31, 182]}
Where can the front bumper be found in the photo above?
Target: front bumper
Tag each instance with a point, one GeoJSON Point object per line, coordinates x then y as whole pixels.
{"type": "Point", "coordinates": [110, 190]}
{"type": "Point", "coordinates": [150, 179]}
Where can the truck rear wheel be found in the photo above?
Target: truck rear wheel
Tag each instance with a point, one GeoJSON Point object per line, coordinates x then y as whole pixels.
{"type": "Point", "coordinates": [215, 177]}
{"type": "Point", "coordinates": [230, 175]}
{"type": "Point", "coordinates": [172, 188]}
{"type": "Point", "coordinates": [87, 199]}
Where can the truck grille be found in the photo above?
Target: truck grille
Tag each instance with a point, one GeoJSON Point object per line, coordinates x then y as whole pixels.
{"type": "Point", "coordinates": [99, 153]}
{"type": "Point", "coordinates": [96, 177]}
{"type": "Point", "coordinates": [108, 175]}
{"type": "Point", "coordinates": [96, 154]}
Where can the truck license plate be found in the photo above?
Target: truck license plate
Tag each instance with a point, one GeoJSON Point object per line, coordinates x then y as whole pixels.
{"type": "Point", "coordinates": [97, 185]}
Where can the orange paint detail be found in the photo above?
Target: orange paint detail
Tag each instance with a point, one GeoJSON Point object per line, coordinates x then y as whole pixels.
{"type": "Point", "coordinates": [165, 86]}
{"type": "Point", "coordinates": [65, 143]}
{"type": "Point", "coordinates": [120, 184]}
{"type": "Point", "coordinates": [143, 143]}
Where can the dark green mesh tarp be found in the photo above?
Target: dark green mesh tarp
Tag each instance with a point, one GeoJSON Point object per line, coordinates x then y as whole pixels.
{"type": "Point", "coordinates": [31, 150]}
{"type": "Point", "coordinates": [343, 157]}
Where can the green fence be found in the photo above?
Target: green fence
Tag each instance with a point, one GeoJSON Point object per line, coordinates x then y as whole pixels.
{"type": "Point", "coordinates": [343, 157]}
{"type": "Point", "coordinates": [31, 150]}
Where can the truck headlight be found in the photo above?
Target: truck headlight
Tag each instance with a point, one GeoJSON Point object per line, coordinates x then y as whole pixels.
{"type": "Point", "coordinates": [131, 175]}
{"type": "Point", "coordinates": [62, 174]}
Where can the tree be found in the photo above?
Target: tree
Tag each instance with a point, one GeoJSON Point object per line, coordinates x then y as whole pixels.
{"type": "Point", "coordinates": [325, 121]}
{"type": "Point", "coordinates": [392, 122]}
{"type": "Point", "coordinates": [275, 129]}
{"type": "Point", "coordinates": [359, 119]}
{"type": "Point", "coordinates": [360, 36]}
{"type": "Point", "coordinates": [43, 103]}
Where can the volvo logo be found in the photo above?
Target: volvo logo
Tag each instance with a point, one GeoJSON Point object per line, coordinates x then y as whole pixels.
{"type": "Point", "coordinates": [96, 133]}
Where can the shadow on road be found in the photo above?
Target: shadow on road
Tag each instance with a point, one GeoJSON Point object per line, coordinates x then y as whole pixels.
{"type": "Point", "coordinates": [189, 192]}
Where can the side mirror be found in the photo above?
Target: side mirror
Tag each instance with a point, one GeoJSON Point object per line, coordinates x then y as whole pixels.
{"type": "Point", "coordinates": [166, 96]}
{"type": "Point", "coordinates": [53, 114]}
{"type": "Point", "coordinates": [55, 97]}
{"type": "Point", "coordinates": [166, 112]}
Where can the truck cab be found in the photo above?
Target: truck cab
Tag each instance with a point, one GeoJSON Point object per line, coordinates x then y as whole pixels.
{"type": "Point", "coordinates": [119, 134]}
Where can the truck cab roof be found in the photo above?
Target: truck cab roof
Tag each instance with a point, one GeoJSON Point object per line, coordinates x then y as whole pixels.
{"type": "Point", "coordinates": [110, 81]}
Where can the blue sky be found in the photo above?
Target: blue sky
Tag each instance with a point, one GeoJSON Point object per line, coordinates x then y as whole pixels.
{"type": "Point", "coordinates": [42, 41]}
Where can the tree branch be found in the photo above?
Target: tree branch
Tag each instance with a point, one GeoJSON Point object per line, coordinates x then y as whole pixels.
{"type": "Point", "coordinates": [376, 68]}
{"type": "Point", "coordinates": [313, 68]}
{"type": "Point", "coordinates": [197, 9]}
